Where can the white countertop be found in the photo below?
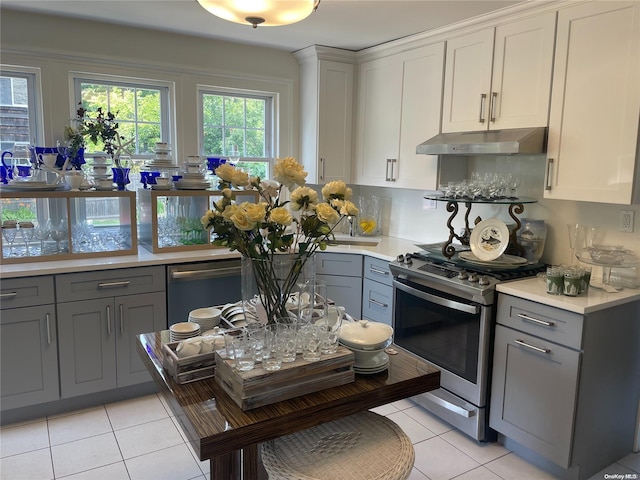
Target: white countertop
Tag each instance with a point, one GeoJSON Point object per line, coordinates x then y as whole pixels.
{"type": "Point", "coordinates": [387, 249]}
{"type": "Point", "coordinates": [535, 290]}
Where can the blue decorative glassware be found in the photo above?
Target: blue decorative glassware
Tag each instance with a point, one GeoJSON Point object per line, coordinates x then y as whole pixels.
{"type": "Point", "coordinates": [121, 177]}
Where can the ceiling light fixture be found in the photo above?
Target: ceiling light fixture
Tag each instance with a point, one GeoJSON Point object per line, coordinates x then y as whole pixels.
{"type": "Point", "coordinates": [269, 13]}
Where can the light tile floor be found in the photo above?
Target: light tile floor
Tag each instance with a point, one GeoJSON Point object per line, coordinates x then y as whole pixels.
{"type": "Point", "coordinates": [139, 439]}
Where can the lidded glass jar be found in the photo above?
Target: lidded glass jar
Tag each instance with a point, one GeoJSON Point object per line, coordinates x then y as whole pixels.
{"type": "Point", "coordinates": [532, 236]}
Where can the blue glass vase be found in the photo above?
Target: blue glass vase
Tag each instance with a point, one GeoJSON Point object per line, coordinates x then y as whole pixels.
{"type": "Point", "coordinates": [121, 177]}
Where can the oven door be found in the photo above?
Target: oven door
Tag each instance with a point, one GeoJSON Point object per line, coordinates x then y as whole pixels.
{"type": "Point", "coordinates": [449, 332]}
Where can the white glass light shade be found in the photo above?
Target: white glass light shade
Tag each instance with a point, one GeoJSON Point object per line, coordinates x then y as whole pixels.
{"type": "Point", "coordinates": [261, 12]}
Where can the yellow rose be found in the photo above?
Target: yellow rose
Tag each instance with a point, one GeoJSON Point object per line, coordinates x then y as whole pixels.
{"type": "Point", "coordinates": [229, 211]}
{"type": "Point", "coordinates": [304, 198]}
{"type": "Point", "coordinates": [242, 221]}
{"type": "Point", "coordinates": [225, 172]}
{"type": "Point", "coordinates": [227, 193]}
{"type": "Point", "coordinates": [289, 172]}
{"type": "Point", "coordinates": [281, 215]}
{"type": "Point", "coordinates": [206, 218]}
{"type": "Point", "coordinates": [326, 213]}
{"type": "Point", "coordinates": [337, 189]}
{"type": "Point", "coordinates": [348, 208]}
{"type": "Point", "coordinates": [255, 211]}
{"type": "Point", "coordinates": [240, 178]}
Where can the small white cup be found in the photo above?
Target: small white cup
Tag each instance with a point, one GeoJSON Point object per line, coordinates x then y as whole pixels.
{"type": "Point", "coordinates": [105, 183]}
{"type": "Point", "coordinates": [100, 160]}
{"type": "Point", "coordinates": [163, 181]}
{"type": "Point", "coordinates": [162, 145]}
{"type": "Point", "coordinates": [48, 159]}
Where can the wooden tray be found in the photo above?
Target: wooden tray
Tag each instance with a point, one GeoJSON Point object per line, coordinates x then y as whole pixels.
{"type": "Point", "coordinates": [259, 387]}
{"type": "Point", "coordinates": [187, 369]}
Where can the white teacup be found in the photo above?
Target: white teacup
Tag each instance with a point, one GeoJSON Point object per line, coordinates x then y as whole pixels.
{"type": "Point", "coordinates": [100, 160]}
{"type": "Point", "coordinates": [105, 183]}
{"type": "Point", "coordinates": [74, 179]}
{"type": "Point", "coordinates": [162, 145]}
{"type": "Point", "coordinates": [163, 181]}
{"type": "Point", "coordinates": [48, 159]}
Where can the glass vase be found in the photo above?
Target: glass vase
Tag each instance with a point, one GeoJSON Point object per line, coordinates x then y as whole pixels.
{"type": "Point", "coordinates": [268, 285]}
{"type": "Point", "coordinates": [369, 216]}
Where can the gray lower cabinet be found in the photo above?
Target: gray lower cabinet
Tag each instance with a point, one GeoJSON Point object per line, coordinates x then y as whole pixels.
{"type": "Point", "coordinates": [377, 291]}
{"type": "Point", "coordinates": [565, 385]}
{"type": "Point", "coordinates": [342, 272]}
{"type": "Point", "coordinates": [97, 335]}
{"type": "Point", "coordinates": [28, 343]}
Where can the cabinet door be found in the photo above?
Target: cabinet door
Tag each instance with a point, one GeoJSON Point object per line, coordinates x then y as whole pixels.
{"type": "Point", "coordinates": [335, 117]}
{"type": "Point", "coordinates": [533, 394]}
{"type": "Point", "coordinates": [345, 292]}
{"type": "Point", "coordinates": [29, 356]}
{"type": "Point", "coordinates": [522, 65]}
{"type": "Point", "coordinates": [593, 122]}
{"type": "Point", "coordinates": [379, 115]}
{"type": "Point", "coordinates": [467, 82]}
{"type": "Point", "coordinates": [136, 314]}
{"type": "Point", "coordinates": [377, 301]}
{"type": "Point", "coordinates": [87, 336]}
{"type": "Point", "coordinates": [421, 105]}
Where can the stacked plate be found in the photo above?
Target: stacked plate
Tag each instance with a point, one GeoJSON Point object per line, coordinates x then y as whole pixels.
{"type": "Point", "coordinates": [192, 181]}
{"type": "Point", "coordinates": [183, 330]}
{"type": "Point", "coordinates": [376, 364]}
{"type": "Point", "coordinates": [207, 318]}
{"type": "Point", "coordinates": [162, 158]}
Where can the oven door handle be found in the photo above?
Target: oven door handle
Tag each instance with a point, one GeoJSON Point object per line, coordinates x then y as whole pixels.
{"type": "Point", "coordinates": [462, 307]}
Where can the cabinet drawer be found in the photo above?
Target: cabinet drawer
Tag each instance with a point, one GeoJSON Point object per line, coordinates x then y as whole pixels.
{"type": "Point", "coordinates": [108, 283]}
{"type": "Point", "coordinates": [377, 270]}
{"type": "Point", "coordinates": [550, 323]}
{"type": "Point", "coordinates": [26, 292]}
{"type": "Point", "coordinates": [344, 264]}
{"type": "Point", "coordinates": [377, 301]}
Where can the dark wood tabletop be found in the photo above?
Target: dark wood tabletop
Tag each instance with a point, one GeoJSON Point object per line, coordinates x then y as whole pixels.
{"type": "Point", "coordinates": [218, 429]}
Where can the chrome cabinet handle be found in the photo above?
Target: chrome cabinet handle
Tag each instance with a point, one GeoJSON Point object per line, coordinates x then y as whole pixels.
{"type": "Point", "coordinates": [492, 107]}
{"type": "Point", "coordinates": [387, 172]}
{"type": "Point", "coordinates": [535, 320]}
{"type": "Point", "coordinates": [8, 296]}
{"type": "Point", "coordinates": [121, 319]}
{"type": "Point", "coordinates": [202, 274]}
{"type": "Point", "coordinates": [124, 283]}
{"type": "Point", "coordinates": [532, 347]}
{"type": "Point", "coordinates": [483, 98]}
{"type": "Point", "coordinates": [380, 304]}
{"type": "Point", "coordinates": [321, 168]}
{"type": "Point", "coordinates": [378, 271]}
{"type": "Point", "coordinates": [48, 321]}
{"type": "Point", "coordinates": [108, 320]}
{"type": "Point", "coordinates": [393, 174]}
{"type": "Point", "coordinates": [547, 185]}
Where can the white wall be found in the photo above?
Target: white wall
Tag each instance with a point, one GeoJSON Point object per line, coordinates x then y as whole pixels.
{"type": "Point", "coordinates": [59, 45]}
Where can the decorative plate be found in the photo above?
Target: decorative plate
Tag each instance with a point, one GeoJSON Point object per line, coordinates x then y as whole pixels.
{"type": "Point", "coordinates": [489, 239]}
{"type": "Point", "coordinates": [503, 260]}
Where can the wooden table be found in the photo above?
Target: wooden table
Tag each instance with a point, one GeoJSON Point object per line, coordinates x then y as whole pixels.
{"type": "Point", "coordinates": [220, 431]}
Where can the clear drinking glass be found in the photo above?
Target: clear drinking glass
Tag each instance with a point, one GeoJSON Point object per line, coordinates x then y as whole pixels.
{"type": "Point", "coordinates": [9, 234]}
{"type": "Point", "coordinates": [311, 341]}
{"type": "Point", "coordinates": [576, 239]}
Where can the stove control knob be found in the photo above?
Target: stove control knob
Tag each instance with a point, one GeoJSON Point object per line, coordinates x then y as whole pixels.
{"type": "Point", "coordinates": [484, 280]}
{"type": "Point", "coordinates": [408, 258]}
{"type": "Point", "coordinates": [473, 277]}
{"type": "Point", "coordinates": [400, 258]}
{"type": "Point", "coordinates": [463, 275]}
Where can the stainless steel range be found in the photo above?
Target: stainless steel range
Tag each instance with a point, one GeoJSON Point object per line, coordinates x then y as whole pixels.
{"type": "Point", "coordinates": [443, 312]}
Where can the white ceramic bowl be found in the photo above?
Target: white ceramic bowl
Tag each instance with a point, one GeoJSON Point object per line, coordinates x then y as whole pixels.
{"type": "Point", "coordinates": [208, 315]}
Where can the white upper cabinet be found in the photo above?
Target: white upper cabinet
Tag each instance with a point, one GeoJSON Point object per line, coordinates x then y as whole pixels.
{"type": "Point", "coordinates": [503, 83]}
{"type": "Point", "coordinates": [399, 106]}
{"type": "Point", "coordinates": [593, 124]}
{"type": "Point", "coordinates": [326, 102]}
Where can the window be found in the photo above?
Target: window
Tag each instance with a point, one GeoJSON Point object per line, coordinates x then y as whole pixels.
{"type": "Point", "coordinates": [238, 125]}
{"type": "Point", "coordinates": [141, 108]}
{"type": "Point", "coordinates": [19, 108]}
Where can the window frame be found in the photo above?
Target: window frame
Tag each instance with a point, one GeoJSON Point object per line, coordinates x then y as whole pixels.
{"type": "Point", "coordinates": [33, 76]}
{"type": "Point", "coordinates": [167, 96]}
{"type": "Point", "coordinates": [270, 130]}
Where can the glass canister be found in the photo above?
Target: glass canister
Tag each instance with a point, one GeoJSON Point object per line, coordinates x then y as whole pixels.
{"type": "Point", "coordinates": [369, 216]}
{"type": "Point", "coordinates": [555, 280]}
{"type": "Point", "coordinates": [532, 236]}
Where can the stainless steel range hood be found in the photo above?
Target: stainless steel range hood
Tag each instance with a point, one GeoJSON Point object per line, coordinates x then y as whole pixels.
{"type": "Point", "coordinates": [529, 141]}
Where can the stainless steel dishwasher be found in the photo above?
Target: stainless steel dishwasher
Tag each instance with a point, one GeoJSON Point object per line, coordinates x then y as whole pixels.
{"type": "Point", "coordinates": [201, 284]}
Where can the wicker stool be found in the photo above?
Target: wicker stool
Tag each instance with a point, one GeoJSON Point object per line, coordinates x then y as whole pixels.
{"type": "Point", "coordinates": [364, 446]}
